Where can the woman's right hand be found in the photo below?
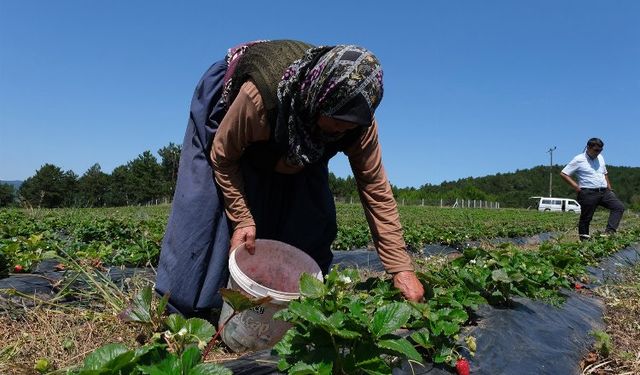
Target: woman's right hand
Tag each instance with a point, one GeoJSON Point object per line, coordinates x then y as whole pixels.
{"type": "Point", "coordinates": [246, 235]}
{"type": "Point", "coordinates": [409, 285]}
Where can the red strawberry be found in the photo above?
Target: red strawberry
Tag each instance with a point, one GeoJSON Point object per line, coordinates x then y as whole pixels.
{"type": "Point", "coordinates": [578, 286]}
{"type": "Point", "coordinates": [462, 366]}
{"type": "Point", "coordinates": [18, 268]}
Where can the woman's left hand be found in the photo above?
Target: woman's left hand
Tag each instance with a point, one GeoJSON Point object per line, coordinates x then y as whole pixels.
{"type": "Point", "coordinates": [409, 285]}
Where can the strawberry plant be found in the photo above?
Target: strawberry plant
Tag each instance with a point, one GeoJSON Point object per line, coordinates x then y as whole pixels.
{"type": "Point", "coordinates": [351, 237]}
{"type": "Point", "coordinates": [350, 326]}
{"type": "Point", "coordinates": [117, 359]}
{"type": "Point", "coordinates": [498, 275]}
{"type": "Point", "coordinates": [142, 310]}
{"type": "Point", "coordinates": [26, 252]}
{"type": "Point", "coordinates": [339, 329]}
{"type": "Point", "coordinates": [132, 235]}
{"type": "Point", "coordinates": [176, 350]}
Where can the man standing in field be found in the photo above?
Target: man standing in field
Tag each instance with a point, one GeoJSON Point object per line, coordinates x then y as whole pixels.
{"type": "Point", "coordinates": [593, 187]}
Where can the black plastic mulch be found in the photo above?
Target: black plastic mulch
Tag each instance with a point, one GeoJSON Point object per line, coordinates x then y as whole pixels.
{"type": "Point", "coordinates": [46, 281]}
{"type": "Point", "coordinates": [529, 338]}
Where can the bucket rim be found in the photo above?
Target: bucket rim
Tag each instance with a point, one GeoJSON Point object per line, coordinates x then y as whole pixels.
{"type": "Point", "coordinates": [256, 289]}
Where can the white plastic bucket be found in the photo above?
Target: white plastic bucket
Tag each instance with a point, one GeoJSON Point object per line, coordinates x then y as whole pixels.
{"type": "Point", "coordinates": [274, 270]}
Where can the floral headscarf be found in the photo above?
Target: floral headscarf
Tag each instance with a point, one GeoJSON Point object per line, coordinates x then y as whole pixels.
{"type": "Point", "coordinates": [344, 82]}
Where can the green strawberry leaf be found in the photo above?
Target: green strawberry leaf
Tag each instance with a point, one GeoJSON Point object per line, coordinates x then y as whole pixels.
{"type": "Point", "coordinates": [302, 368]}
{"type": "Point", "coordinates": [450, 328]}
{"type": "Point", "coordinates": [105, 356]}
{"type": "Point", "coordinates": [284, 346]}
{"type": "Point", "coordinates": [162, 304]}
{"type": "Point", "coordinates": [458, 315]}
{"type": "Point", "coordinates": [500, 275]}
{"type": "Point", "coordinates": [401, 346]}
{"type": "Point", "coordinates": [374, 366]}
{"type": "Point", "coordinates": [200, 328]}
{"type": "Point", "coordinates": [139, 310]}
{"type": "Point", "coordinates": [309, 313]}
{"type": "Point", "coordinates": [175, 322]}
{"type": "Point", "coordinates": [209, 369]}
{"type": "Point", "coordinates": [168, 366]}
{"type": "Point", "coordinates": [357, 312]}
{"type": "Point", "coordinates": [346, 334]}
{"type": "Point", "coordinates": [443, 355]}
{"type": "Point", "coordinates": [239, 302]}
{"type": "Point", "coordinates": [190, 357]}
{"type": "Point", "coordinates": [421, 337]}
{"type": "Point", "coordinates": [389, 318]}
{"type": "Point", "coordinates": [311, 287]}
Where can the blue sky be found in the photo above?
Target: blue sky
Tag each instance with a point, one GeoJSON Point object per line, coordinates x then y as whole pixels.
{"type": "Point", "coordinates": [471, 87]}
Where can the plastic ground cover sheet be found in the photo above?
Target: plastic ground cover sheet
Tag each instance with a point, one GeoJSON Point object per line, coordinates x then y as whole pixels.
{"type": "Point", "coordinates": [46, 281]}
{"type": "Point", "coordinates": [43, 282]}
{"type": "Point", "coordinates": [531, 337]}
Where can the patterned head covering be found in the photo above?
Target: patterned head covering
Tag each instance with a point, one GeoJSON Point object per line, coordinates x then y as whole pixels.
{"type": "Point", "coordinates": [343, 82]}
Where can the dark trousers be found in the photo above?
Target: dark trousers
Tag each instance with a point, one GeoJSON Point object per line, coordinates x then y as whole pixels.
{"type": "Point", "coordinates": [590, 199]}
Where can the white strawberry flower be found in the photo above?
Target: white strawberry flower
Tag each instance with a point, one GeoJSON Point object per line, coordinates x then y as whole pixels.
{"type": "Point", "coordinates": [345, 279]}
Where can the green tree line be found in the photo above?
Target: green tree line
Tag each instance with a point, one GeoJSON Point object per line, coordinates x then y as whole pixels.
{"type": "Point", "coordinates": [147, 179]}
{"type": "Point", "coordinates": [140, 181]}
{"type": "Point", "coordinates": [515, 188]}
{"type": "Point", "coordinates": [509, 189]}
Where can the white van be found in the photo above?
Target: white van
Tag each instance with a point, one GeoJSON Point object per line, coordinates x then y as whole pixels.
{"type": "Point", "coordinates": [556, 204]}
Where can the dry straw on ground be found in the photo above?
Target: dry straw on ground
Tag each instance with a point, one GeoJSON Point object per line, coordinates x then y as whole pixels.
{"type": "Point", "coordinates": [62, 336]}
{"type": "Point", "coordinates": [65, 336]}
{"type": "Point", "coordinates": [622, 317]}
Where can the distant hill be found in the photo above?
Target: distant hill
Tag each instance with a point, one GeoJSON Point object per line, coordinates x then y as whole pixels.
{"type": "Point", "coordinates": [513, 189]}
{"type": "Point", "coordinates": [15, 184]}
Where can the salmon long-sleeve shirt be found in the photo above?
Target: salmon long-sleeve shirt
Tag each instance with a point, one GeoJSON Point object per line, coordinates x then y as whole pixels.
{"type": "Point", "coordinates": [245, 122]}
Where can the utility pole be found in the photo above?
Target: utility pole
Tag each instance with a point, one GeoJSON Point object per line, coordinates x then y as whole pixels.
{"type": "Point", "coordinates": [550, 151]}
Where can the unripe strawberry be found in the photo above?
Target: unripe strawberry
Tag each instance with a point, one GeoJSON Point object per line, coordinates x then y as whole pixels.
{"type": "Point", "coordinates": [471, 344]}
{"type": "Point", "coordinates": [42, 365]}
{"type": "Point", "coordinates": [462, 366]}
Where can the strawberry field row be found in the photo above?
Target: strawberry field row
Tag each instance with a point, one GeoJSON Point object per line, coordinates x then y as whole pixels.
{"type": "Point", "coordinates": [433, 225]}
{"type": "Point", "coordinates": [347, 324]}
{"type": "Point", "coordinates": [350, 325]}
{"type": "Point", "coordinates": [133, 235]}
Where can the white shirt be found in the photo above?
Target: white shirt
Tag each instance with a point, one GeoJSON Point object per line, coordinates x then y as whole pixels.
{"type": "Point", "coordinates": [589, 172]}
